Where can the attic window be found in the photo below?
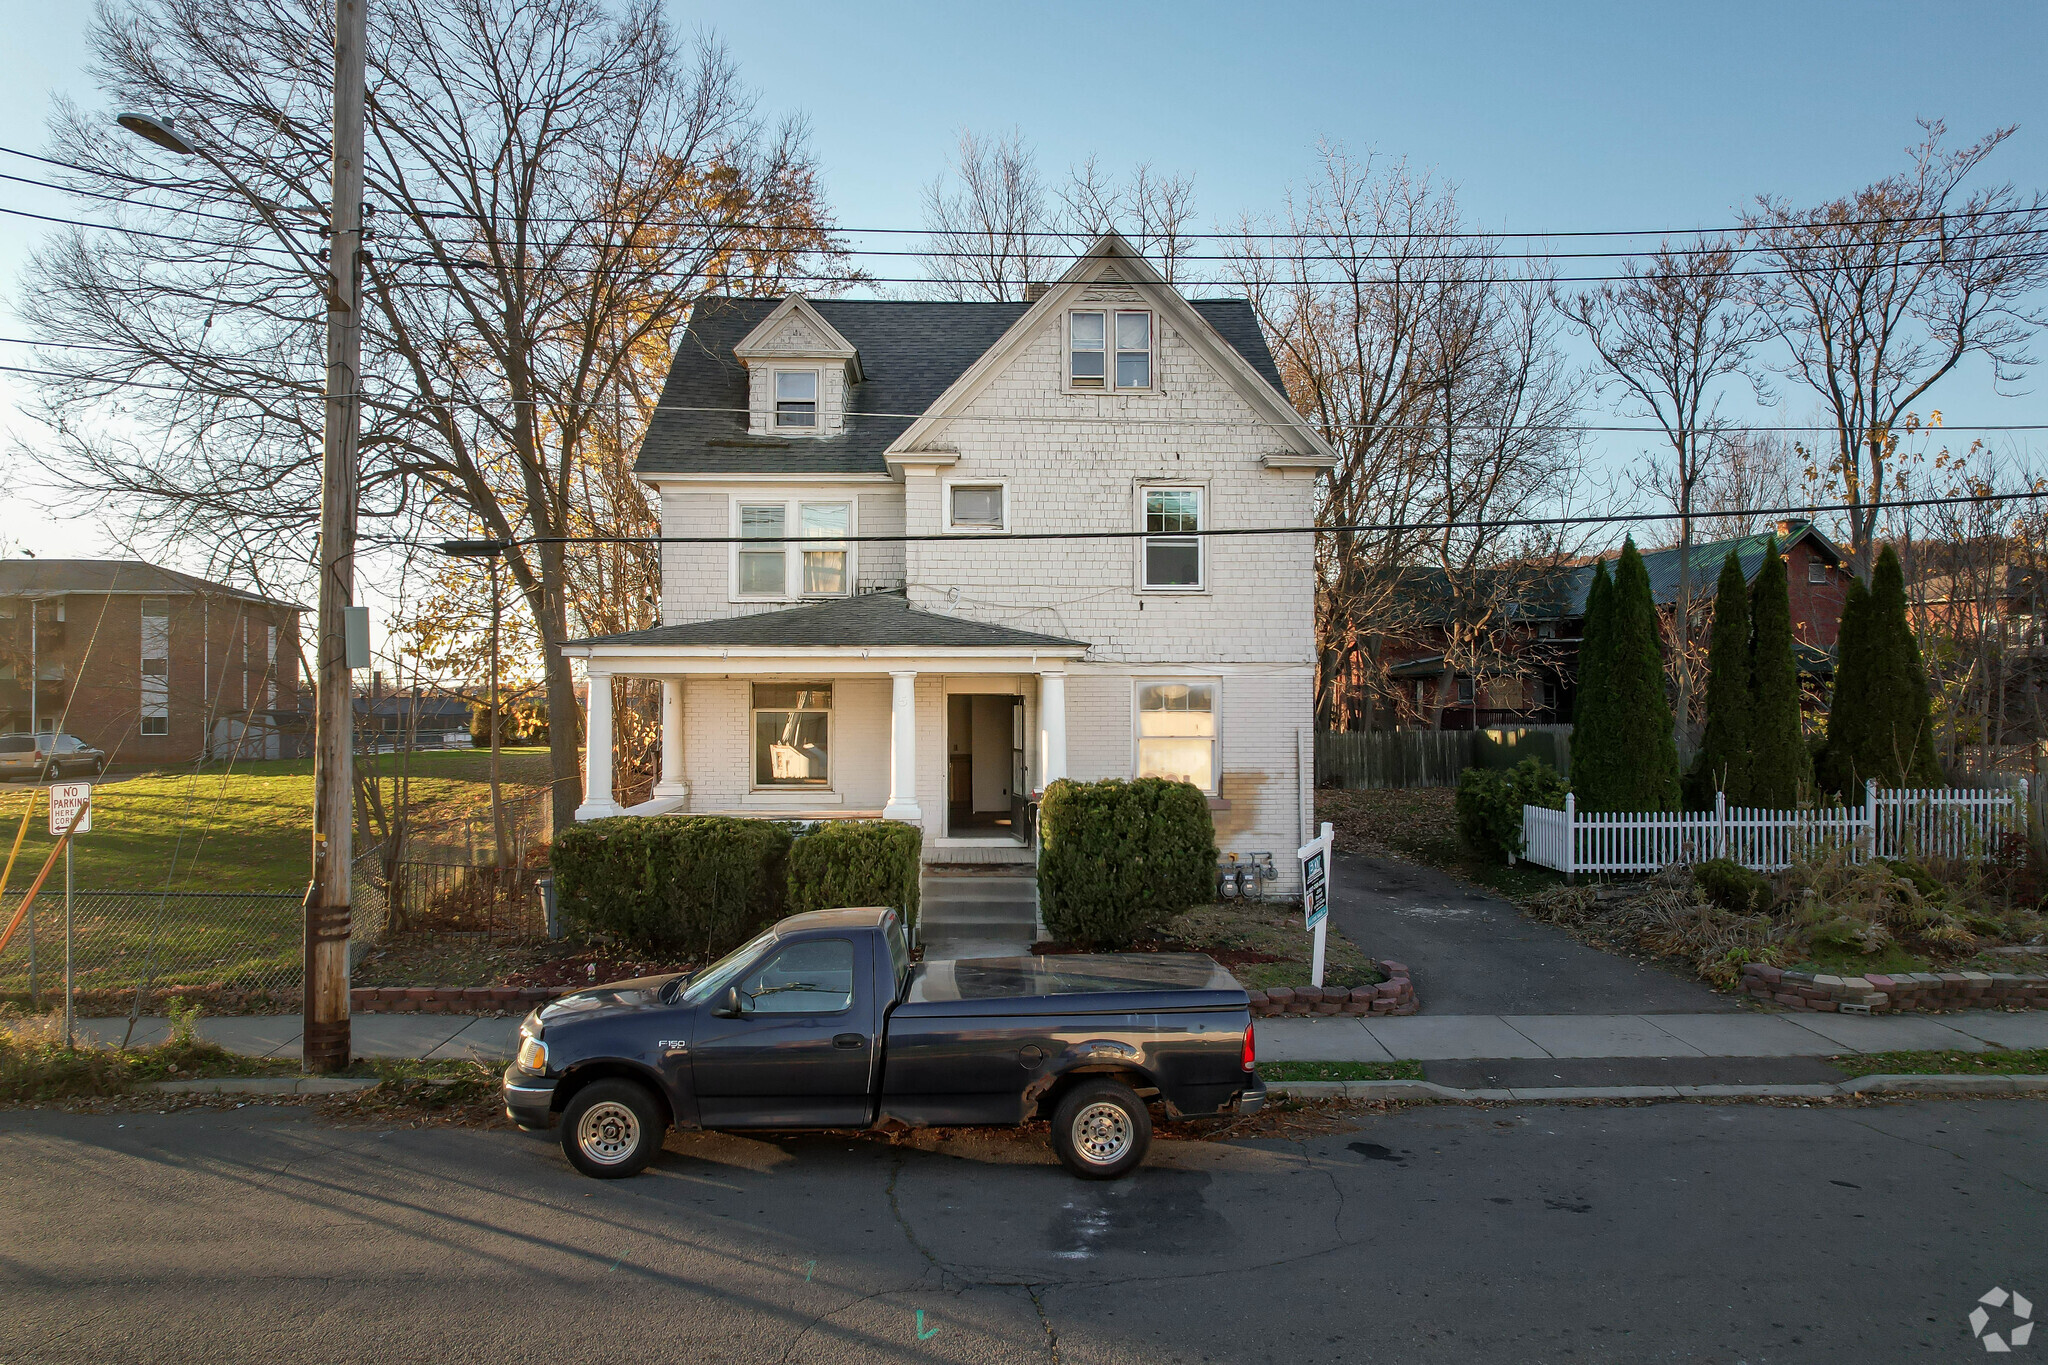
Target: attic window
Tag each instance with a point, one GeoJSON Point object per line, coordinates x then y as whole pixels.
{"type": "Point", "coordinates": [1089, 348]}
{"type": "Point", "coordinates": [796, 398]}
{"type": "Point", "coordinates": [1816, 570]}
{"type": "Point", "coordinates": [1085, 351]}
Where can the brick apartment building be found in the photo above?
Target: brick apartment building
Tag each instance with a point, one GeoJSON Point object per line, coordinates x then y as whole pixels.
{"type": "Point", "coordinates": [151, 665]}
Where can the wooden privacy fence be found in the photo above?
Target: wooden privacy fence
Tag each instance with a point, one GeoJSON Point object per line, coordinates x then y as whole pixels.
{"type": "Point", "coordinates": [1392, 758]}
{"type": "Point", "coordinates": [1948, 822]}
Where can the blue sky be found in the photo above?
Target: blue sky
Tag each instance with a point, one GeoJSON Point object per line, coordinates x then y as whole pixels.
{"type": "Point", "coordinates": [1548, 117]}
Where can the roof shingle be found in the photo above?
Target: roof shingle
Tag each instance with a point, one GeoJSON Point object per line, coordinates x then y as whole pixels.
{"type": "Point", "coordinates": [872, 619]}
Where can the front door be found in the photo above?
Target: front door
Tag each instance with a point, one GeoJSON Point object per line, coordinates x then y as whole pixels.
{"type": "Point", "coordinates": [799, 1055]}
{"type": "Point", "coordinates": [1020, 777]}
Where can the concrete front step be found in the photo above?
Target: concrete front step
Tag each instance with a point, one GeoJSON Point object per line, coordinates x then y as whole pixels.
{"type": "Point", "coordinates": [992, 916]}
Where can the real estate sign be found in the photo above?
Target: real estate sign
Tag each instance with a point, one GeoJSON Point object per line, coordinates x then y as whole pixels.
{"type": "Point", "coordinates": [1315, 895]}
{"type": "Point", "coordinates": [66, 800]}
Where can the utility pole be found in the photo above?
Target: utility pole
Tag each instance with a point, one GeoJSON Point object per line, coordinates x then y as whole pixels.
{"type": "Point", "coordinates": [325, 1042]}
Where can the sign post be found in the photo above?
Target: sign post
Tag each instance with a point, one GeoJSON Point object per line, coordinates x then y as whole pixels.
{"type": "Point", "coordinates": [1315, 895]}
{"type": "Point", "coordinates": [70, 810]}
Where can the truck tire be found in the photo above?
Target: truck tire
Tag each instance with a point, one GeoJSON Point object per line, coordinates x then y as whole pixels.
{"type": "Point", "coordinates": [611, 1129]}
{"type": "Point", "coordinates": [1101, 1130]}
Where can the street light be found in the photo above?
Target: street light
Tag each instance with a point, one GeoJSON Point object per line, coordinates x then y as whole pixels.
{"type": "Point", "coordinates": [490, 550]}
{"type": "Point", "coordinates": [324, 1044]}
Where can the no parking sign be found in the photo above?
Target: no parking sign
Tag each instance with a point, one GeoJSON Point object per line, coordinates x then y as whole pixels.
{"type": "Point", "coordinates": [68, 799]}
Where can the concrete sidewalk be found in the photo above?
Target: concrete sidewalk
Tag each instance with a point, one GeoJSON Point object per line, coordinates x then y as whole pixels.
{"type": "Point", "coordinates": [1425, 1038]}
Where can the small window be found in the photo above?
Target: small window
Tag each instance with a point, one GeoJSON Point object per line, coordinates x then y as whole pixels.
{"type": "Point", "coordinates": [792, 734]}
{"type": "Point", "coordinates": [1086, 332]}
{"type": "Point", "coordinates": [1816, 571]}
{"type": "Point", "coordinates": [1134, 350]}
{"type": "Point", "coordinates": [1466, 692]}
{"type": "Point", "coordinates": [761, 571]}
{"type": "Point", "coordinates": [804, 978]}
{"type": "Point", "coordinates": [157, 607]}
{"type": "Point", "coordinates": [1177, 732]}
{"type": "Point", "coordinates": [156, 725]}
{"type": "Point", "coordinates": [156, 668]}
{"type": "Point", "coordinates": [975, 507]}
{"type": "Point", "coordinates": [796, 398]}
{"type": "Point", "coordinates": [1173, 552]}
{"type": "Point", "coordinates": [824, 564]}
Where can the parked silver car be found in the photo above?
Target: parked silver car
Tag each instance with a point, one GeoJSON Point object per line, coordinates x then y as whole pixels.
{"type": "Point", "coordinates": [48, 756]}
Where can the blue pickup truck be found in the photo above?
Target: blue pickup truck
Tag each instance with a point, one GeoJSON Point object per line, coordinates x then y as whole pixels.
{"type": "Point", "coordinates": [824, 1021]}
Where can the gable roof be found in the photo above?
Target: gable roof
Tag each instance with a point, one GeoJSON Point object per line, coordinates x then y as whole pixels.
{"type": "Point", "coordinates": [911, 352]}
{"type": "Point", "coordinates": [1706, 566]}
{"type": "Point", "coordinates": [51, 577]}
{"type": "Point", "coordinates": [829, 344]}
{"type": "Point", "coordinates": [871, 619]}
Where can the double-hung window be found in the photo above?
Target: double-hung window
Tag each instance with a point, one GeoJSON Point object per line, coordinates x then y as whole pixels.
{"type": "Point", "coordinates": [155, 711]}
{"type": "Point", "coordinates": [796, 399]}
{"type": "Point", "coordinates": [1172, 546]}
{"type": "Point", "coordinates": [793, 548]}
{"type": "Point", "coordinates": [792, 734]}
{"type": "Point", "coordinates": [1093, 338]}
{"type": "Point", "coordinates": [1177, 732]}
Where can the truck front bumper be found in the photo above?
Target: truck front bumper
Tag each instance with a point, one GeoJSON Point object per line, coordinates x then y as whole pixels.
{"type": "Point", "coordinates": [1253, 1099]}
{"type": "Point", "coordinates": [529, 1099]}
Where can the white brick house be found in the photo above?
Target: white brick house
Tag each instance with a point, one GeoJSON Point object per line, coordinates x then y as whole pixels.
{"type": "Point", "coordinates": [944, 680]}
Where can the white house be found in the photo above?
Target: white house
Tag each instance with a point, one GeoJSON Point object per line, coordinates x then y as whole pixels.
{"type": "Point", "coordinates": [946, 678]}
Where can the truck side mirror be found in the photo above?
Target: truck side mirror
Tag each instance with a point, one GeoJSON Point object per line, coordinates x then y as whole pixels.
{"type": "Point", "coordinates": [729, 1007]}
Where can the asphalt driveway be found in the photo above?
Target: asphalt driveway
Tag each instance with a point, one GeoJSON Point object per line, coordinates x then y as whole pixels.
{"type": "Point", "coordinates": [1471, 952]}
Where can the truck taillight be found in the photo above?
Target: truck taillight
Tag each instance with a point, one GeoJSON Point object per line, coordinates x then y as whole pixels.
{"type": "Point", "coordinates": [1251, 1050]}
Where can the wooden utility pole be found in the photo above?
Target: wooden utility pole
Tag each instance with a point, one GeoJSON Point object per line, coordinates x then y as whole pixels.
{"type": "Point", "coordinates": [325, 1041]}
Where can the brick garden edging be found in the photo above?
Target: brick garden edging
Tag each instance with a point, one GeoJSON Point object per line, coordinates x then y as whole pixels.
{"type": "Point", "coordinates": [1395, 995]}
{"type": "Point", "coordinates": [1878, 993]}
{"type": "Point", "coordinates": [450, 999]}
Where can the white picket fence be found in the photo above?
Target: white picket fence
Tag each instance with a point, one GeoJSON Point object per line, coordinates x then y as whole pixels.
{"type": "Point", "coordinates": [1952, 822]}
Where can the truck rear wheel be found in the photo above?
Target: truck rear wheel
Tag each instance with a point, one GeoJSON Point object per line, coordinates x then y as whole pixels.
{"type": "Point", "coordinates": [612, 1129]}
{"type": "Point", "coordinates": [1101, 1130]}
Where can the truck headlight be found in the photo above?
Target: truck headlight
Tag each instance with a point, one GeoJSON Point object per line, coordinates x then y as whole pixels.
{"type": "Point", "coordinates": [533, 1055]}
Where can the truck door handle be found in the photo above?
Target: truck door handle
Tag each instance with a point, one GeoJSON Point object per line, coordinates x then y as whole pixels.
{"type": "Point", "coordinates": [849, 1040]}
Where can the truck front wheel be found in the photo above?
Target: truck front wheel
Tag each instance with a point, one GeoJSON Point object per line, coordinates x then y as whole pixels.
{"type": "Point", "coordinates": [1101, 1130]}
{"type": "Point", "coordinates": [612, 1129]}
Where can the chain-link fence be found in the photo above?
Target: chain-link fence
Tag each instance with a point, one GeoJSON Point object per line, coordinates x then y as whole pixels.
{"type": "Point", "coordinates": [447, 877]}
{"type": "Point", "coordinates": [240, 947]}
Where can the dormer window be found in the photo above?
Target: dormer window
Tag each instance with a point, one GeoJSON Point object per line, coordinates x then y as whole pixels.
{"type": "Point", "coordinates": [1093, 338]}
{"type": "Point", "coordinates": [796, 398]}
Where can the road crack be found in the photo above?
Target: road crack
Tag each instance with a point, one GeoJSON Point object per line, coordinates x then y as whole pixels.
{"type": "Point", "coordinates": [1052, 1338]}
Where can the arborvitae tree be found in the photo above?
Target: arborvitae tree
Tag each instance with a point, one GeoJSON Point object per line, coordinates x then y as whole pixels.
{"type": "Point", "coordinates": [1641, 772]}
{"type": "Point", "coordinates": [1592, 755]}
{"type": "Point", "coordinates": [1780, 766]}
{"type": "Point", "coordinates": [1904, 735]}
{"type": "Point", "coordinates": [1846, 760]}
{"type": "Point", "coordinates": [1723, 762]}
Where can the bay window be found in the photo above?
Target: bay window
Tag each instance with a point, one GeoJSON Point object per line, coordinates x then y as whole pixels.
{"type": "Point", "coordinates": [1177, 732]}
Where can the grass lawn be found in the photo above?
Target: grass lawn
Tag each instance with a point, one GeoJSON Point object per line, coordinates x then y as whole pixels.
{"type": "Point", "coordinates": [1420, 824]}
{"type": "Point", "coordinates": [2024, 1061]}
{"type": "Point", "coordinates": [1340, 1071]}
{"type": "Point", "coordinates": [245, 828]}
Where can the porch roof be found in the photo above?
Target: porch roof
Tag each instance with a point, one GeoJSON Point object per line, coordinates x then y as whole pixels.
{"type": "Point", "coordinates": [870, 620]}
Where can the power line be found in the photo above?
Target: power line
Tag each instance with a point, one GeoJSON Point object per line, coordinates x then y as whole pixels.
{"type": "Point", "coordinates": [1360, 528]}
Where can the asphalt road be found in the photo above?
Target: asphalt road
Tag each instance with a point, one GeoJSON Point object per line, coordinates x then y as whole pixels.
{"type": "Point", "coordinates": [1473, 953]}
{"type": "Point", "coordinates": [1676, 1232]}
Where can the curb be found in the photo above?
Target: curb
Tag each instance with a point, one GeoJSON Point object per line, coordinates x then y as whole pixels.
{"type": "Point", "coordinates": [266, 1085]}
{"type": "Point", "coordinates": [1860, 1085]}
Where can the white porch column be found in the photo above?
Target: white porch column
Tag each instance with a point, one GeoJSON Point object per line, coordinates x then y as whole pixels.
{"type": "Point", "coordinates": [1052, 728]}
{"type": "Point", "coordinates": [903, 749]}
{"type": "Point", "coordinates": [671, 782]}
{"type": "Point", "coordinates": [597, 757]}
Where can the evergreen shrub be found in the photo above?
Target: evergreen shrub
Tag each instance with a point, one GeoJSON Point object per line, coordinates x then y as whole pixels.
{"type": "Point", "coordinates": [1490, 804]}
{"type": "Point", "coordinates": [695, 884]}
{"type": "Point", "coordinates": [1117, 859]}
{"type": "Point", "coordinates": [844, 862]}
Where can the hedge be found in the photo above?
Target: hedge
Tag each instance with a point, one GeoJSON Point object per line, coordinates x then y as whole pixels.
{"type": "Point", "coordinates": [847, 863]}
{"type": "Point", "coordinates": [1489, 804]}
{"type": "Point", "coordinates": [1118, 858]}
{"type": "Point", "coordinates": [699, 884]}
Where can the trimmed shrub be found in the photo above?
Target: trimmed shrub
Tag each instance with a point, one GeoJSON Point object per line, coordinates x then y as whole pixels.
{"type": "Point", "coordinates": [1629, 716]}
{"type": "Point", "coordinates": [1732, 886]}
{"type": "Point", "coordinates": [1780, 763]}
{"type": "Point", "coordinates": [1490, 804]}
{"type": "Point", "coordinates": [1119, 858]}
{"type": "Point", "coordinates": [1880, 722]}
{"type": "Point", "coordinates": [1593, 757]}
{"type": "Point", "coordinates": [1723, 761]}
{"type": "Point", "coordinates": [696, 884]}
{"type": "Point", "coordinates": [846, 862]}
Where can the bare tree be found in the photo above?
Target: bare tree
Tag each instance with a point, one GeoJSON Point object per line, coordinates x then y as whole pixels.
{"type": "Point", "coordinates": [1442, 391]}
{"type": "Point", "coordinates": [556, 183]}
{"type": "Point", "coordinates": [1753, 470]}
{"type": "Point", "coordinates": [1671, 333]}
{"type": "Point", "coordinates": [1880, 295]}
{"type": "Point", "coordinates": [995, 229]}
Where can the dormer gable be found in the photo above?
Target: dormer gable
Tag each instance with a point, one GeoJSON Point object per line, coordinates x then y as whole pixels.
{"type": "Point", "coordinates": [798, 371]}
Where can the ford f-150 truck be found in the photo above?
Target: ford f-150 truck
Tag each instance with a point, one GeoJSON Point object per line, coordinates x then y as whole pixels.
{"type": "Point", "coordinates": [824, 1021]}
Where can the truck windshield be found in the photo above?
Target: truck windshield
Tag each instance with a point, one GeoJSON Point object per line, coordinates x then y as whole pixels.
{"type": "Point", "coordinates": [726, 970]}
